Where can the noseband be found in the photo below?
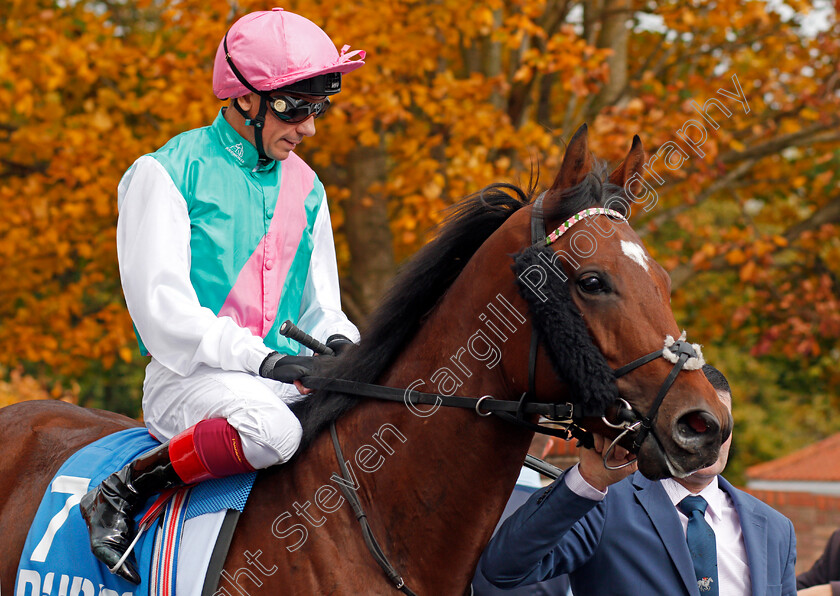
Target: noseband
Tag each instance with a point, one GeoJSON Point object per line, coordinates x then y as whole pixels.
{"type": "Point", "coordinates": [681, 353]}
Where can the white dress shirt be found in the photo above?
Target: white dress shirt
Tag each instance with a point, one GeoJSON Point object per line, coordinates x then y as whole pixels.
{"type": "Point", "coordinates": [733, 567]}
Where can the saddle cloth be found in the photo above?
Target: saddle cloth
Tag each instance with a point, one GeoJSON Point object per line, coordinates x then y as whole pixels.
{"type": "Point", "coordinates": [56, 558]}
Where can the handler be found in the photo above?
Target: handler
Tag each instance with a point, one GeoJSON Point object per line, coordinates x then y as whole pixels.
{"type": "Point", "coordinates": [223, 234]}
{"type": "Point", "coordinates": [616, 532]}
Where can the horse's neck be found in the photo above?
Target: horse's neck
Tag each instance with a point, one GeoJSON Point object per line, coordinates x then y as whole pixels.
{"type": "Point", "coordinates": [435, 486]}
{"type": "Point", "coordinates": [440, 493]}
{"type": "Point", "coordinates": [432, 488]}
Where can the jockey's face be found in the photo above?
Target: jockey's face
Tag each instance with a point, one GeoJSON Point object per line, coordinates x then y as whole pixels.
{"type": "Point", "coordinates": [279, 138]}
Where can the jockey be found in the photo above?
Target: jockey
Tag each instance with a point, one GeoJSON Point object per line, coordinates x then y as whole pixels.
{"type": "Point", "coordinates": [223, 234]}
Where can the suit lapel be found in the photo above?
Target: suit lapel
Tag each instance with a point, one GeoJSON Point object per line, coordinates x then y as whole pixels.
{"type": "Point", "coordinates": [754, 529]}
{"type": "Point", "coordinates": [654, 500]}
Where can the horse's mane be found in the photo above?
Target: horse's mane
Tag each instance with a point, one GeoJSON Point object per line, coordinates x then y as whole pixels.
{"type": "Point", "coordinates": [418, 287]}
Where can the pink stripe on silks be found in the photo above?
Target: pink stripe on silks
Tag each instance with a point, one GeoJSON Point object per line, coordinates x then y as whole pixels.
{"type": "Point", "coordinates": [248, 284]}
{"type": "Point", "coordinates": [254, 298]}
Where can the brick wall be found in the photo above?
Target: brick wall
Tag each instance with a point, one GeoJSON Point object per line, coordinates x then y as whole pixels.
{"type": "Point", "coordinates": [814, 517]}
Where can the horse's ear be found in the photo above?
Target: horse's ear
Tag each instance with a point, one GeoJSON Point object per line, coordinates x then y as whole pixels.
{"type": "Point", "coordinates": [632, 164]}
{"type": "Point", "coordinates": [576, 163]}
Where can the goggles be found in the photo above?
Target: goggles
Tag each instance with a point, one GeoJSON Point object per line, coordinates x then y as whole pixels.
{"type": "Point", "coordinates": [294, 110]}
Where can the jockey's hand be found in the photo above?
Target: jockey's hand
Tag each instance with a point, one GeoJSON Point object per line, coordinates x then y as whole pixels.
{"type": "Point", "coordinates": [592, 463]}
{"type": "Point", "coordinates": [338, 343]}
{"type": "Point", "coordinates": [286, 369]}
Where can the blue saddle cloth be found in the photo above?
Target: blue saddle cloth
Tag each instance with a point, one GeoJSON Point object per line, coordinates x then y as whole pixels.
{"type": "Point", "coordinates": [56, 559]}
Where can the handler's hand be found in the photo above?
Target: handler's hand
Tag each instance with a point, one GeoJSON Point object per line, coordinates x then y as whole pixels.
{"type": "Point", "coordinates": [592, 465]}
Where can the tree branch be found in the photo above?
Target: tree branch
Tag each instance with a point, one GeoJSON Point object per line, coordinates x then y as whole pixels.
{"type": "Point", "coordinates": [816, 133]}
{"type": "Point", "coordinates": [22, 169]}
{"type": "Point", "coordinates": [716, 186]}
{"type": "Point", "coordinates": [827, 214]}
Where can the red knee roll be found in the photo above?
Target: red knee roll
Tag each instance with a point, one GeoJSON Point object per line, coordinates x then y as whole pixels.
{"type": "Point", "coordinates": [185, 458]}
{"type": "Point", "coordinates": [210, 449]}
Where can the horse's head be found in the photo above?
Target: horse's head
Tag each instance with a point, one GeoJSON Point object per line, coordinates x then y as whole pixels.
{"type": "Point", "coordinates": [593, 285]}
{"type": "Point", "coordinates": [599, 305]}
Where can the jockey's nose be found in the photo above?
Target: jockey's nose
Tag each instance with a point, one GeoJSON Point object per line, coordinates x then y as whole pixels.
{"type": "Point", "coordinates": [307, 127]}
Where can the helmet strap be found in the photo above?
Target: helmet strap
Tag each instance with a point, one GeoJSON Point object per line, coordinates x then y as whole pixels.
{"type": "Point", "coordinates": [257, 122]}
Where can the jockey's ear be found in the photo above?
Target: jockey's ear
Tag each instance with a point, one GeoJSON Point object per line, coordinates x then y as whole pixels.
{"type": "Point", "coordinates": [577, 162]}
{"type": "Point", "coordinates": [632, 164]}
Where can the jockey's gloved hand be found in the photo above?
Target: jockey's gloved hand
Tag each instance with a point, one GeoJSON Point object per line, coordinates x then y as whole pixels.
{"type": "Point", "coordinates": [338, 343]}
{"type": "Point", "coordinates": [285, 368]}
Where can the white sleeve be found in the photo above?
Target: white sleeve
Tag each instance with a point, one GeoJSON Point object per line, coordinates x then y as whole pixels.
{"type": "Point", "coordinates": [320, 310]}
{"type": "Point", "coordinates": [153, 248]}
{"type": "Point", "coordinates": [576, 483]}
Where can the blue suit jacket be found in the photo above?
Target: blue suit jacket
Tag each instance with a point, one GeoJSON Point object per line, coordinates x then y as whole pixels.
{"type": "Point", "coordinates": [558, 586]}
{"type": "Point", "coordinates": [630, 543]}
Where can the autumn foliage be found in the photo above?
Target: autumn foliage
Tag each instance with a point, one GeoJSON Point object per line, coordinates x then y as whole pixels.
{"type": "Point", "coordinates": [454, 96]}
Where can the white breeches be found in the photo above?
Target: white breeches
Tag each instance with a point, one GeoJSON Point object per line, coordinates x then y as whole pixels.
{"type": "Point", "coordinates": [252, 405]}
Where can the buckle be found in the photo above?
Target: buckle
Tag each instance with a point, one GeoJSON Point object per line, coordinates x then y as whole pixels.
{"type": "Point", "coordinates": [564, 411]}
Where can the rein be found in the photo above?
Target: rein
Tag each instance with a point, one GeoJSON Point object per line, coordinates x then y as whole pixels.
{"type": "Point", "coordinates": [361, 517]}
{"type": "Point", "coordinates": [483, 406]}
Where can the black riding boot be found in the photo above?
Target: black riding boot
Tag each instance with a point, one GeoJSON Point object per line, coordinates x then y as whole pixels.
{"type": "Point", "coordinates": [109, 509]}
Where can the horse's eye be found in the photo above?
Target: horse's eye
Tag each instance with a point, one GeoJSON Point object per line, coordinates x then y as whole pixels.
{"type": "Point", "coordinates": [592, 284]}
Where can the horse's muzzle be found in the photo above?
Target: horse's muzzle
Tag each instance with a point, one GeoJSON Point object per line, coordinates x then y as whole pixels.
{"type": "Point", "coordinates": [695, 441]}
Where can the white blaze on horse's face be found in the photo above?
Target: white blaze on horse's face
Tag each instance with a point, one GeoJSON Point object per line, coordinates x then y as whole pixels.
{"type": "Point", "coordinates": [636, 252]}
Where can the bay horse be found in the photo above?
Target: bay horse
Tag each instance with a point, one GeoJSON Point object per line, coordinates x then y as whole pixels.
{"type": "Point", "coordinates": [434, 482]}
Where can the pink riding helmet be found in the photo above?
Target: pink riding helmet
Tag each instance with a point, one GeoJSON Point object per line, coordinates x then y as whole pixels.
{"type": "Point", "coordinates": [275, 48]}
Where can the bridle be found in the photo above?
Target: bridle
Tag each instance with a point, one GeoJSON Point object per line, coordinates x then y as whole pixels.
{"type": "Point", "coordinates": [683, 355]}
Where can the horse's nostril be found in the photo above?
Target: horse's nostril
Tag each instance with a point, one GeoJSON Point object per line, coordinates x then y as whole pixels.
{"type": "Point", "coordinates": [695, 429]}
{"type": "Point", "coordinates": [696, 422]}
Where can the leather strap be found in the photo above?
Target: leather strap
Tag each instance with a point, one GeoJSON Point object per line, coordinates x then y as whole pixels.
{"type": "Point", "coordinates": [483, 405]}
{"type": "Point", "coordinates": [647, 421]}
{"type": "Point", "coordinates": [220, 552]}
{"type": "Point", "coordinates": [620, 372]}
{"type": "Point", "coordinates": [537, 234]}
{"type": "Point", "coordinates": [361, 516]}
{"type": "Point", "coordinates": [537, 220]}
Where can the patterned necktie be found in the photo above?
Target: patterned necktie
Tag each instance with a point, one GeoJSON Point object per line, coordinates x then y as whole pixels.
{"type": "Point", "coordinates": [701, 545]}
